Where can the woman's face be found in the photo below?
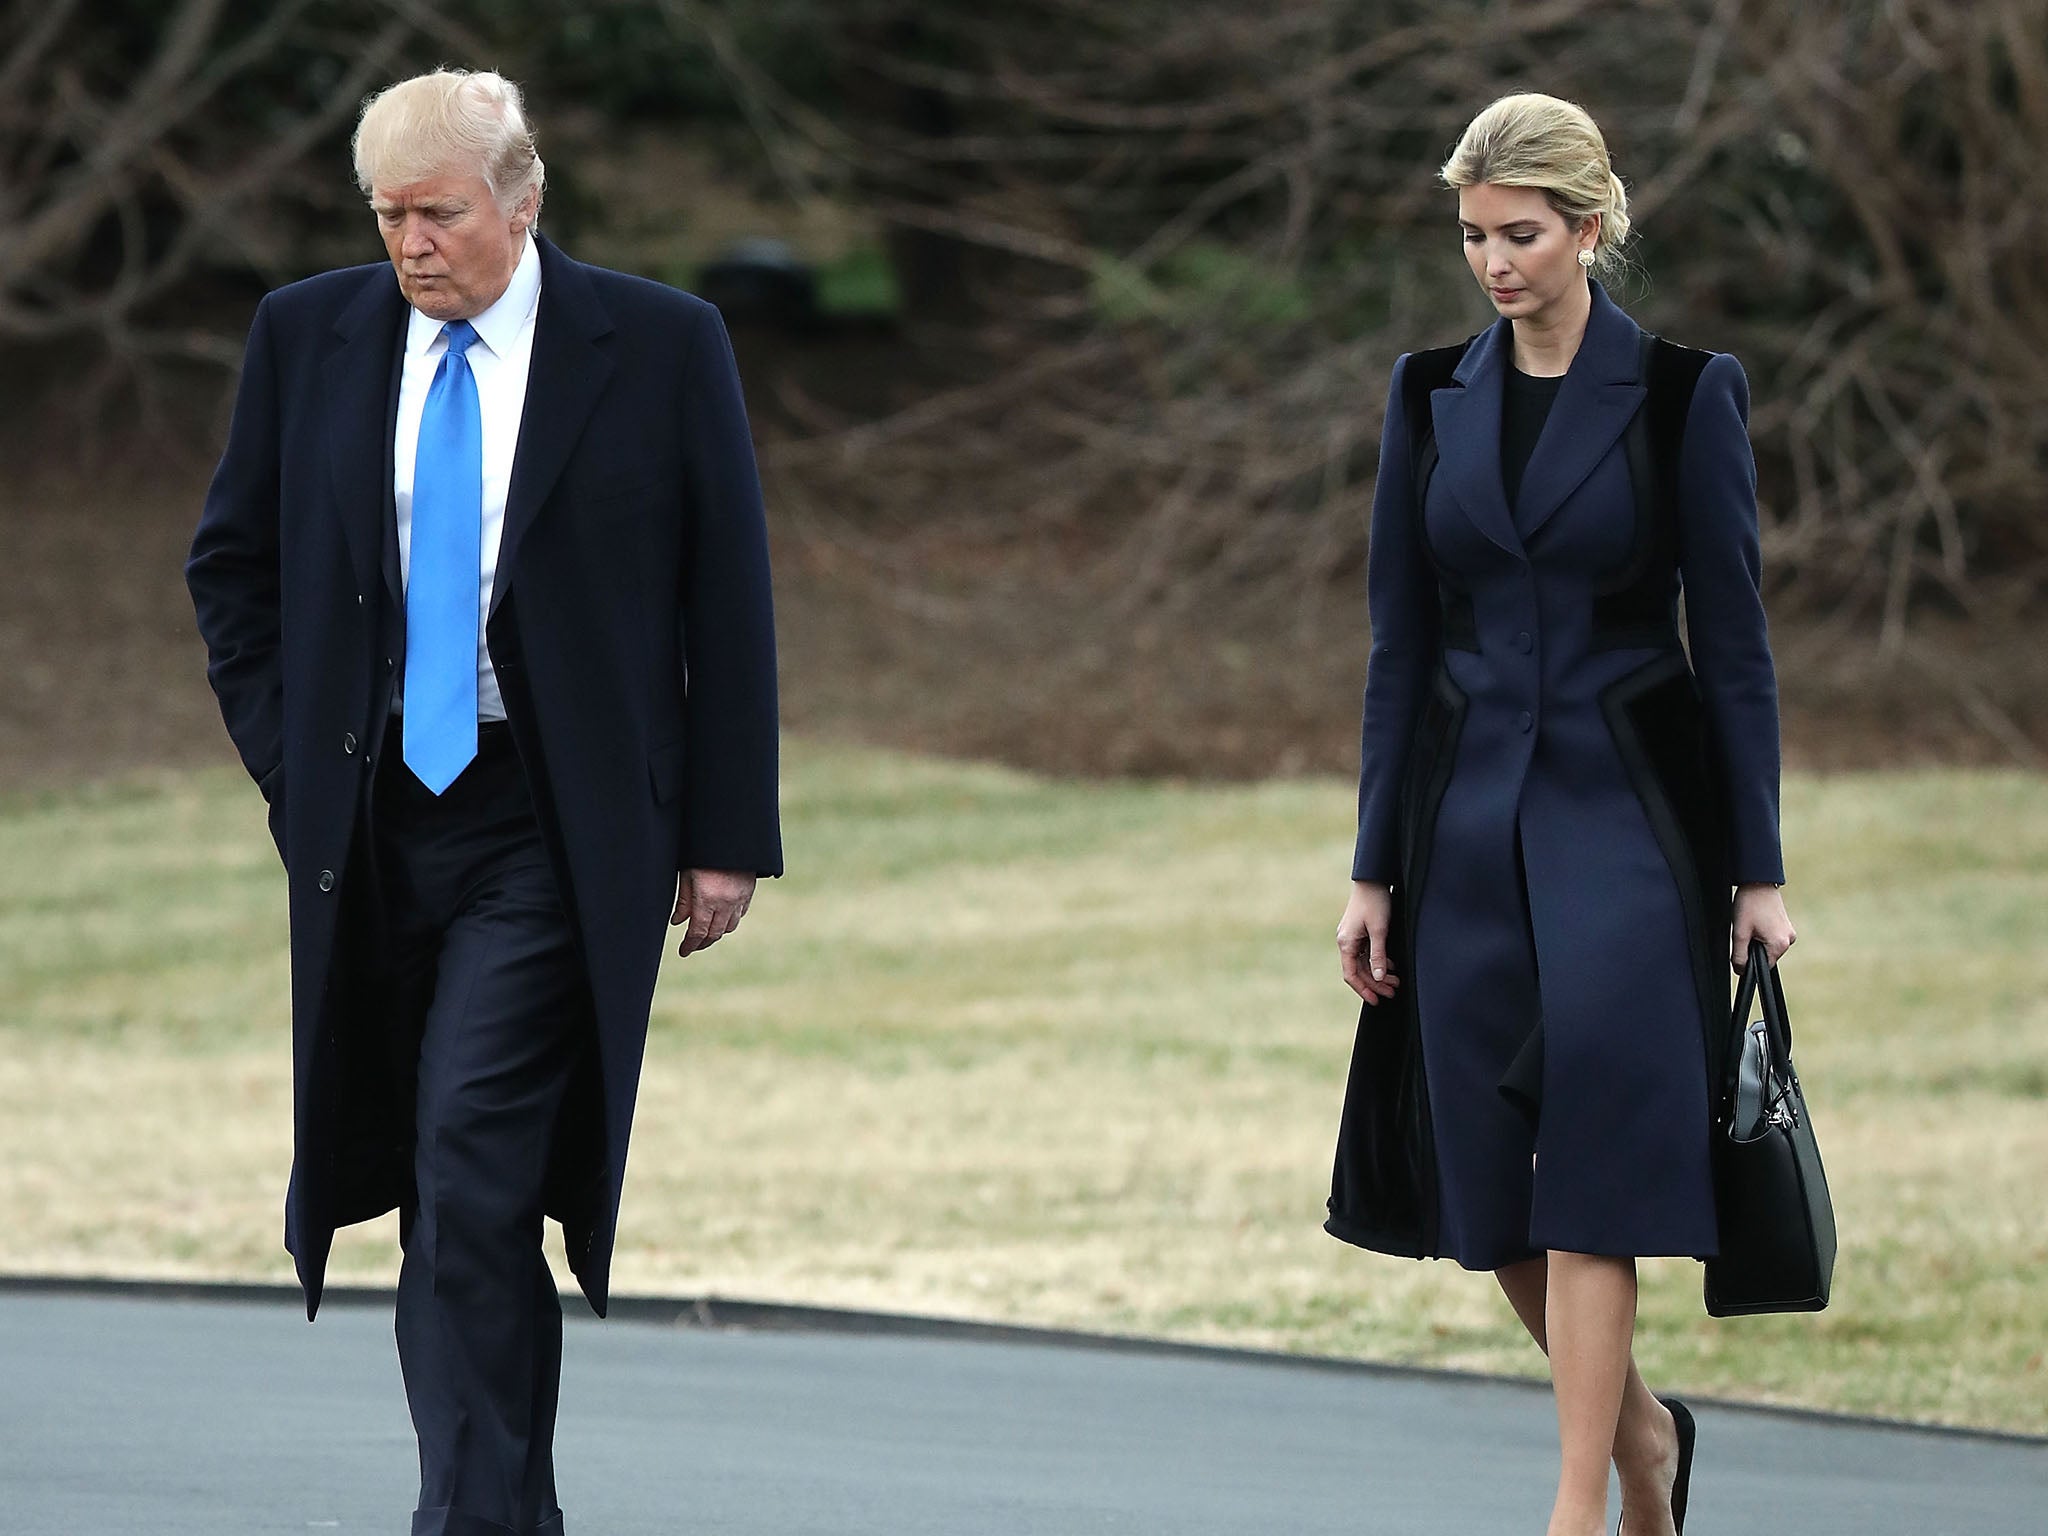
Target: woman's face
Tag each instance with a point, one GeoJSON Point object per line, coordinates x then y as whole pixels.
{"type": "Point", "coordinates": [1521, 249]}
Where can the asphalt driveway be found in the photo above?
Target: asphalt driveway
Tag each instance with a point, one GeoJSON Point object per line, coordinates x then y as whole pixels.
{"type": "Point", "coordinates": [160, 1415]}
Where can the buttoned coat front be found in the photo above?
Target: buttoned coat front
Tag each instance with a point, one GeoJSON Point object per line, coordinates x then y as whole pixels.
{"type": "Point", "coordinates": [632, 635]}
{"type": "Point", "coordinates": [1561, 804]}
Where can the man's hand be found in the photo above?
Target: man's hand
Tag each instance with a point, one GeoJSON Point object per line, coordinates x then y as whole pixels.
{"type": "Point", "coordinates": [711, 902]}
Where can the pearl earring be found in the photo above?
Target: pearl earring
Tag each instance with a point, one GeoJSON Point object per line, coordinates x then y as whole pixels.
{"type": "Point", "coordinates": [1586, 258]}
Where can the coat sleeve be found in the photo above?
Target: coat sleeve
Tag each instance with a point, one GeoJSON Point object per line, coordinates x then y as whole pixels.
{"type": "Point", "coordinates": [232, 570]}
{"type": "Point", "coordinates": [1401, 592]}
{"type": "Point", "coordinates": [731, 816]}
{"type": "Point", "coordinates": [1720, 565]}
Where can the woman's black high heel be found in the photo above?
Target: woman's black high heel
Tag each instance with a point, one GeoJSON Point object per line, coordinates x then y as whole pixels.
{"type": "Point", "coordinates": [1681, 1485]}
{"type": "Point", "coordinates": [1688, 1436]}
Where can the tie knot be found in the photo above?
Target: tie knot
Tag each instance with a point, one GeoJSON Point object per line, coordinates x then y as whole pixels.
{"type": "Point", "coordinates": [460, 334]}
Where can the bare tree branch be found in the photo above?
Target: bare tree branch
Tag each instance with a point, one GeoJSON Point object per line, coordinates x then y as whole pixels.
{"type": "Point", "coordinates": [85, 170]}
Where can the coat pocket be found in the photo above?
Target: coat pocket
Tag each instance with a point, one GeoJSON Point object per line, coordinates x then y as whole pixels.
{"type": "Point", "coordinates": [619, 504]}
{"type": "Point", "coordinates": [665, 769]}
{"type": "Point", "coordinates": [596, 492]}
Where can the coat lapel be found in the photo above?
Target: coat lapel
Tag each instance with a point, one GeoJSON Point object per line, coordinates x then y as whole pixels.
{"type": "Point", "coordinates": [1600, 393]}
{"type": "Point", "coordinates": [358, 380]}
{"type": "Point", "coordinates": [1467, 421]}
{"type": "Point", "coordinates": [571, 364]}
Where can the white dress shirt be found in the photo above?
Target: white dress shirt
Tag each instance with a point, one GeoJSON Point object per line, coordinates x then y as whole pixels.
{"type": "Point", "coordinates": [499, 359]}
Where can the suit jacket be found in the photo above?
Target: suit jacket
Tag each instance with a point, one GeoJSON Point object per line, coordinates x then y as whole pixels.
{"type": "Point", "coordinates": [632, 633]}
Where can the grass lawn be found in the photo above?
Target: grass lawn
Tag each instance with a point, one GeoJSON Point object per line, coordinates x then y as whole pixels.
{"type": "Point", "coordinates": [1065, 1054]}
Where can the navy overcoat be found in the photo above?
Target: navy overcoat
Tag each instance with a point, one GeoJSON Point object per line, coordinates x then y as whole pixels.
{"type": "Point", "coordinates": [1562, 793]}
{"type": "Point", "coordinates": [633, 639]}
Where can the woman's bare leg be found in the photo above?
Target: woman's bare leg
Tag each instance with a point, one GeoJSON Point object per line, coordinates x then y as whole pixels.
{"type": "Point", "coordinates": [1645, 1442]}
{"type": "Point", "coordinates": [1524, 1285]}
{"type": "Point", "coordinates": [1589, 1323]}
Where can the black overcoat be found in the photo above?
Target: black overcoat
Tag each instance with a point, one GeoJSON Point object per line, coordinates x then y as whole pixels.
{"type": "Point", "coordinates": [1561, 792]}
{"type": "Point", "coordinates": [633, 638]}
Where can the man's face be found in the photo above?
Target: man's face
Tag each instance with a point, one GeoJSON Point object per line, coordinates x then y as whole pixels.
{"type": "Point", "coordinates": [451, 245]}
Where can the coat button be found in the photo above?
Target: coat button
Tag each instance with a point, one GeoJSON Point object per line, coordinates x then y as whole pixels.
{"type": "Point", "coordinates": [326, 880]}
{"type": "Point", "coordinates": [348, 742]}
{"type": "Point", "coordinates": [1526, 721]}
{"type": "Point", "coordinates": [1524, 643]}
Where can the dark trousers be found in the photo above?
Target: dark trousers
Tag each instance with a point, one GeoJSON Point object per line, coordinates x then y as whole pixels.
{"type": "Point", "coordinates": [489, 1018]}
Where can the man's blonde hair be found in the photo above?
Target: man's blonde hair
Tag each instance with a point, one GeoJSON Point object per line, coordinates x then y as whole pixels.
{"type": "Point", "coordinates": [450, 121]}
{"type": "Point", "coordinates": [1531, 140]}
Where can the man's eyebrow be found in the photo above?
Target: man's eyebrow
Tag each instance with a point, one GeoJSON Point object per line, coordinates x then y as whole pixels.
{"type": "Point", "coordinates": [424, 204]}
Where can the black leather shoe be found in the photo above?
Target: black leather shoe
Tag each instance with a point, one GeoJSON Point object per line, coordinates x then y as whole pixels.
{"type": "Point", "coordinates": [1688, 1436]}
{"type": "Point", "coordinates": [1681, 1485]}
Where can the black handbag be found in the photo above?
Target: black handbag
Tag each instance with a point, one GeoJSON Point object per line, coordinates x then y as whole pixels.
{"type": "Point", "coordinates": [1770, 1192]}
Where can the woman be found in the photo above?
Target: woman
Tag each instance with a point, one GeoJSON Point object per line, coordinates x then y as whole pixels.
{"type": "Point", "coordinates": [1555, 801]}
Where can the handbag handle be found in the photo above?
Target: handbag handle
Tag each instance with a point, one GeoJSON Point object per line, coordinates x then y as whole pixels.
{"type": "Point", "coordinates": [1760, 979]}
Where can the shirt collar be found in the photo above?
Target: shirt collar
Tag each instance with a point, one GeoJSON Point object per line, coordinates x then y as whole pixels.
{"type": "Point", "coordinates": [499, 326]}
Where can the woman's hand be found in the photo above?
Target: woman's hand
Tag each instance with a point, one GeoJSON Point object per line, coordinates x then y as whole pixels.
{"type": "Point", "coordinates": [1362, 942]}
{"type": "Point", "coordinates": [1760, 916]}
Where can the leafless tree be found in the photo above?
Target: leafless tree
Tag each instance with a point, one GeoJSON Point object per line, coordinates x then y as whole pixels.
{"type": "Point", "coordinates": [1216, 226]}
{"type": "Point", "coordinates": [134, 150]}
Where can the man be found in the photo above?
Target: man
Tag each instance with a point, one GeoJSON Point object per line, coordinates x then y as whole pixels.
{"type": "Point", "coordinates": [483, 579]}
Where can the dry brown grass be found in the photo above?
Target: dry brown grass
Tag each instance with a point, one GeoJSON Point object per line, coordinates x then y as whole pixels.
{"type": "Point", "coordinates": [1069, 1055]}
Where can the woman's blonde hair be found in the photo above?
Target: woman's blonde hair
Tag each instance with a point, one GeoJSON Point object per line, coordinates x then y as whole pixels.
{"type": "Point", "coordinates": [450, 120]}
{"type": "Point", "coordinates": [1532, 140]}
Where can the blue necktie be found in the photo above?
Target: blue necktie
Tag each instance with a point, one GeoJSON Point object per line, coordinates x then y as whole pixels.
{"type": "Point", "coordinates": [444, 578]}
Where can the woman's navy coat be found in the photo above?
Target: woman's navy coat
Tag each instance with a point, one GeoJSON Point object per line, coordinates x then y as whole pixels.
{"type": "Point", "coordinates": [1561, 803]}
